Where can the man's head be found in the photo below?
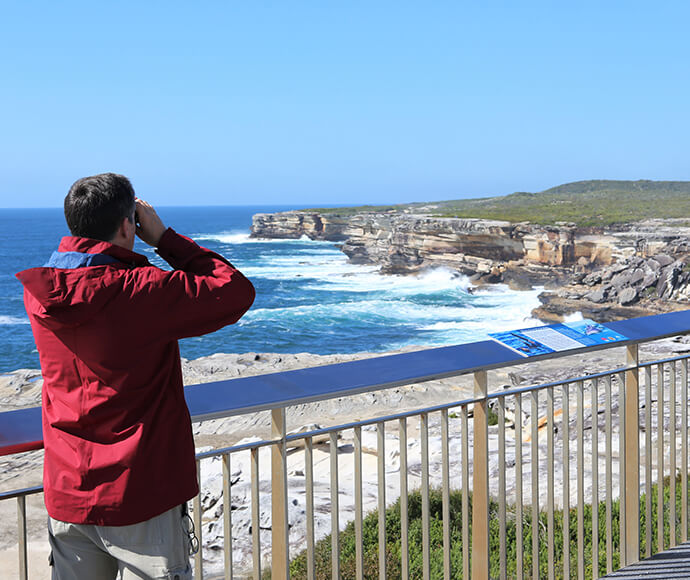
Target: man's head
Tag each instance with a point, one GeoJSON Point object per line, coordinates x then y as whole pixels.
{"type": "Point", "coordinates": [97, 206]}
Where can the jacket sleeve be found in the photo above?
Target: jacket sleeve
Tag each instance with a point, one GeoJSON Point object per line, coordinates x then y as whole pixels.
{"type": "Point", "coordinates": [202, 294]}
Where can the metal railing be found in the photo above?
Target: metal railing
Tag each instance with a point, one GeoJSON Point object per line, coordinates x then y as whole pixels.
{"type": "Point", "coordinates": [551, 466]}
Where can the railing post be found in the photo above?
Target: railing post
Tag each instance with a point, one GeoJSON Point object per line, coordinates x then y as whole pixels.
{"type": "Point", "coordinates": [196, 508]}
{"type": "Point", "coordinates": [404, 530]}
{"type": "Point", "coordinates": [256, 514]}
{"type": "Point", "coordinates": [632, 458]}
{"type": "Point", "coordinates": [480, 481]}
{"type": "Point", "coordinates": [227, 516]}
{"type": "Point", "coordinates": [279, 528]}
{"type": "Point", "coordinates": [381, 450]}
{"type": "Point", "coordinates": [21, 532]}
{"type": "Point", "coordinates": [335, 510]}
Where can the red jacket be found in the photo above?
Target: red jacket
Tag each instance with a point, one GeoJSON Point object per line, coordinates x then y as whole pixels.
{"type": "Point", "coordinates": [116, 428]}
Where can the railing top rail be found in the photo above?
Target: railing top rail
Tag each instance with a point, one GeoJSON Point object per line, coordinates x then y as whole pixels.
{"type": "Point", "coordinates": [21, 430]}
{"type": "Point", "coordinates": [21, 492]}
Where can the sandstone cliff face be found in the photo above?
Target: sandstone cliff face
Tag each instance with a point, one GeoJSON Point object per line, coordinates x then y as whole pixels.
{"type": "Point", "coordinates": [294, 225]}
{"type": "Point", "coordinates": [403, 243]}
{"type": "Point", "coordinates": [406, 242]}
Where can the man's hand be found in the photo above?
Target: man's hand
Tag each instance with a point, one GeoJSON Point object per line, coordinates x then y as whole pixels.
{"type": "Point", "coordinates": [150, 228]}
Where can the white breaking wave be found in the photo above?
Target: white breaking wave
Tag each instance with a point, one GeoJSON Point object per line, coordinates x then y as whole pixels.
{"type": "Point", "coordinates": [322, 267]}
{"type": "Point", "coordinates": [11, 320]}
{"type": "Point", "coordinates": [395, 310]}
{"type": "Point", "coordinates": [428, 317]}
{"type": "Point", "coordinates": [331, 271]}
{"type": "Point", "coordinates": [328, 269]}
{"type": "Point", "coordinates": [500, 319]}
{"type": "Point", "coordinates": [225, 237]}
{"type": "Point", "coordinates": [573, 317]}
{"type": "Point", "coordinates": [245, 238]}
{"type": "Point", "coordinates": [438, 280]}
{"type": "Point", "coordinates": [454, 325]}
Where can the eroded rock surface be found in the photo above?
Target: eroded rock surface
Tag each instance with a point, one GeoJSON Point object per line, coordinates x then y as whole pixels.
{"type": "Point", "coordinates": [635, 286]}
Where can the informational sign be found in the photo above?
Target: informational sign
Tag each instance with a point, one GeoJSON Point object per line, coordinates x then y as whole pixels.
{"type": "Point", "coordinates": [557, 337]}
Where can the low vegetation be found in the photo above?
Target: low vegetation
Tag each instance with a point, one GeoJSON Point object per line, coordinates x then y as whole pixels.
{"type": "Point", "coordinates": [584, 203]}
{"type": "Point", "coordinates": [322, 560]}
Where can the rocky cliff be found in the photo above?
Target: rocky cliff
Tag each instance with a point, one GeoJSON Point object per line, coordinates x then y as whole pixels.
{"type": "Point", "coordinates": [295, 224]}
{"type": "Point", "coordinates": [617, 270]}
{"type": "Point", "coordinates": [403, 243]}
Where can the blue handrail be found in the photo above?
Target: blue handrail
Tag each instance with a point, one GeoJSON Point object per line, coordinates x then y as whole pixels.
{"type": "Point", "coordinates": [21, 430]}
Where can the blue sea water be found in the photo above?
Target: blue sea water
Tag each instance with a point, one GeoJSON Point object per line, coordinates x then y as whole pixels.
{"type": "Point", "coordinates": [309, 298]}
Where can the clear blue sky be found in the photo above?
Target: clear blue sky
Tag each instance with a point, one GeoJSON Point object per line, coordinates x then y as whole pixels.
{"type": "Point", "coordinates": [220, 102]}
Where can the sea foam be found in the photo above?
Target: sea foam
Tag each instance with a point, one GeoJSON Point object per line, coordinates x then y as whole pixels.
{"type": "Point", "coordinates": [434, 307]}
{"type": "Point", "coordinates": [12, 320]}
{"type": "Point", "coordinates": [245, 238]}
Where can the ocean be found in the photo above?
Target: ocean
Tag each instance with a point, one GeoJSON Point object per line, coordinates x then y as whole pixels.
{"type": "Point", "coordinates": [309, 298]}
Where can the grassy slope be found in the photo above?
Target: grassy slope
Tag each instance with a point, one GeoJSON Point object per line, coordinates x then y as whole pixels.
{"type": "Point", "coordinates": [585, 203]}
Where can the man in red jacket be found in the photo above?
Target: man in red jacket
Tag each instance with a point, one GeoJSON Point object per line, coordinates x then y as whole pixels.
{"type": "Point", "coordinates": [119, 453]}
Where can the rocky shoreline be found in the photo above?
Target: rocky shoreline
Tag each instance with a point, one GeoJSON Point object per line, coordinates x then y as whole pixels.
{"type": "Point", "coordinates": [606, 273]}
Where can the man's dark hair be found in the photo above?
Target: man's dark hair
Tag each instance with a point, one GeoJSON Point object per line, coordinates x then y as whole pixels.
{"type": "Point", "coordinates": [95, 206]}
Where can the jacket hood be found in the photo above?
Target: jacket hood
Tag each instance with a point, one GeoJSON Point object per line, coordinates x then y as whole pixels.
{"type": "Point", "coordinates": [70, 287]}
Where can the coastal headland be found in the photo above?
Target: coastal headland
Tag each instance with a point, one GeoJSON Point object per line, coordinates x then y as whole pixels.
{"type": "Point", "coordinates": [608, 249]}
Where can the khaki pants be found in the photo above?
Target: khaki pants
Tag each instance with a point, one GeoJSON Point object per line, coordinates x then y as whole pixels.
{"type": "Point", "coordinates": [156, 548]}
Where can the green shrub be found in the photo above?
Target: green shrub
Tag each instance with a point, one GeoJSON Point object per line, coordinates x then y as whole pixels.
{"type": "Point", "coordinates": [298, 566]}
